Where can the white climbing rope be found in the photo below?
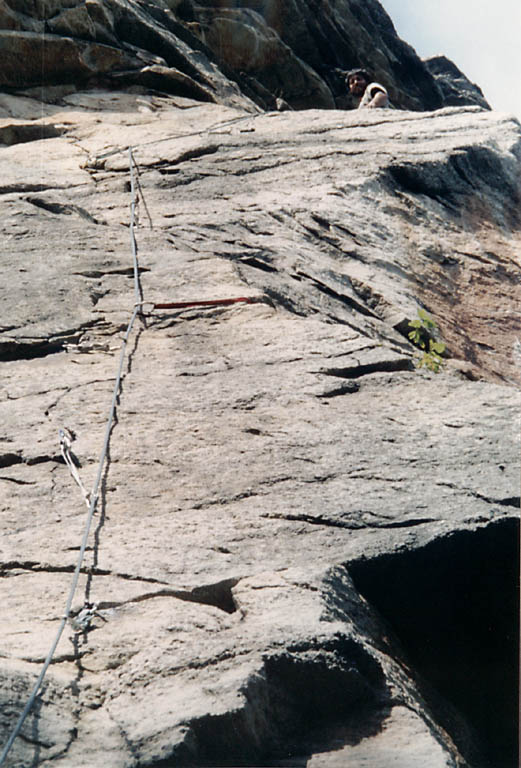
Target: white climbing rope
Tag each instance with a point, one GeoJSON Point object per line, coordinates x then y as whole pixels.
{"type": "Point", "coordinates": [92, 498]}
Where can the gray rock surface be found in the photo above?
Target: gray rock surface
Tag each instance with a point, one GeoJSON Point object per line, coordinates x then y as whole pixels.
{"type": "Point", "coordinates": [457, 89]}
{"type": "Point", "coordinates": [237, 53]}
{"type": "Point", "coordinates": [268, 457]}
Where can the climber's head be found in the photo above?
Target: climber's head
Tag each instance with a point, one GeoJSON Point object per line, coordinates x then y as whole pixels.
{"type": "Point", "coordinates": [357, 81]}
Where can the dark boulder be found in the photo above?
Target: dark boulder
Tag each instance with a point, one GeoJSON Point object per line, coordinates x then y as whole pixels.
{"type": "Point", "coordinates": [456, 88]}
{"type": "Point", "coordinates": [234, 52]}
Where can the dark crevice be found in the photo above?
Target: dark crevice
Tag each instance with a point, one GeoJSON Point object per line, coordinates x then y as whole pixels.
{"type": "Point", "coordinates": [383, 366]}
{"type": "Point", "coordinates": [352, 524]}
{"type": "Point", "coordinates": [44, 458]}
{"type": "Point", "coordinates": [166, 166]}
{"type": "Point", "coordinates": [316, 520]}
{"type": "Point", "coordinates": [409, 523]}
{"type": "Point", "coordinates": [25, 187]}
{"type": "Point", "coordinates": [354, 236]}
{"type": "Point", "coordinates": [350, 302]}
{"type": "Point", "coordinates": [57, 659]}
{"type": "Point", "coordinates": [218, 595]}
{"type": "Point", "coordinates": [96, 274]}
{"type": "Point", "coordinates": [189, 178]}
{"type": "Point", "coordinates": [258, 264]}
{"type": "Point", "coordinates": [35, 742]}
{"type": "Point", "coordinates": [349, 388]}
{"type": "Point", "coordinates": [23, 348]}
{"type": "Point", "coordinates": [283, 300]}
{"type": "Point", "coordinates": [454, 605]}
{"type": "Point", "coordinates": [63, 209]}
{"type": "Point", "coordinates": [21, 134]}
{"type": "Point", "coordinates": [14, 350]}
{"type": "Point", "coordinates": [36, 567]}
{"type": "Point", "coordinates": [169, 171]}
{"type": "Point", "coordinates": [11, 459]}
{"type": "Point", "coordinates": [16, 481]}
{"type": "Point", "coordinates": [511, 501]}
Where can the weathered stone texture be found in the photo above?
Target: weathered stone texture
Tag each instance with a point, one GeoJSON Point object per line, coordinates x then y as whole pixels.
{"type": "Point", "coordinates": [262, 450]}
{"type": "Point", "coordinates": [277, 54]}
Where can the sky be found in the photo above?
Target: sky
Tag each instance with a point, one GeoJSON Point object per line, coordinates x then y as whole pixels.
{"type": "Point", "coordinates": [482, 37]}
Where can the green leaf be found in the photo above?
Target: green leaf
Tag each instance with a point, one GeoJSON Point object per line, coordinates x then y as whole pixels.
{"type": "Point", "coordinates": [438, 347]}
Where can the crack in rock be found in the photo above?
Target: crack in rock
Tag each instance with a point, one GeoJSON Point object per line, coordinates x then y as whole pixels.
{"type": "Point", "coordinates": [63, 209]}
{"type": "Point", "coordinates": [349, 388]}
{"type": "Point", "coordinates": [22, 187]}
{"type": "Point", "coordinates": [508, 501]}
{"type": "Point", "coordinates": [347, 300]}
{"type": "Point", "coordinates": [11, 459]}
{"type": "Point", "coordinates": [16, 481]}
{"type": "Point", "coordinates": [125, 271]}
{"type": "Point", "coordinates": [27, 348]}
{"type": "Point", "coordinates": [23, 133]}
{"type": "Point", "coordinates": [353, 525]}
{"type": "Point", "coordinates": [217, 594]}
{"type": "Point", "coordinates": [382, 366]}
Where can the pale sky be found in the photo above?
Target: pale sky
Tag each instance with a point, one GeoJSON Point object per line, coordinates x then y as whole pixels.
{"type": "Point", "coordinates": [482, 37]}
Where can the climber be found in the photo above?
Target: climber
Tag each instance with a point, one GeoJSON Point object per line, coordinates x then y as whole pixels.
{"type": "Point", "coordinates": [369, 93]}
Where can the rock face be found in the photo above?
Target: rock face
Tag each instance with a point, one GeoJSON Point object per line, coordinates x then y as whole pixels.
{"type": "Point", "coordinates": [290, 52]}
{"type": "Point", "coordinates": [305, 551]}
{"type": "Point", "coordinates": [457, 89]}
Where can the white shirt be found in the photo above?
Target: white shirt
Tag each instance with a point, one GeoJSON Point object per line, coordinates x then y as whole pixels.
{"type": "Point", "coordinates": [370, 92]}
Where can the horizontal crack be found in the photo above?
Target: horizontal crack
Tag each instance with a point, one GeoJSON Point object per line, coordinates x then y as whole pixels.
{"type": "Point", "coordinates": [16, 481]}
{"type": "Point", "coordinates": [9, 459]}
{"type": "Point", "coordinates": [23, 133]}
{"type": "Point", "coordinates": [58, 659]}
{"type": "Point", "coordinates": [508, 501]}
{"type": "Point", "coordinates": [328, 522]}
{"type": "Point", "coordinates": [349, 301]}
{"type": "Point", "coordinates": [383, 366]}
{"type": "Point", "coordinates": [349, 388]}
{"type": "Point", "coordinates": [12, 459]}
{"type": "Point", "coordinates": [218, 594]}
{"type": "Point", "coordinates": [63, 209]}
{"type": "Point", "coordinates": [29, 348]}
{"type": "Point", "coordinates": [22, 187]}
{"type": "Point", "coordinates": [125, 271]}
{"type": "Point", "coordinates": [190, 154]}
{"type": "Point", "coordinates": [325, 521]}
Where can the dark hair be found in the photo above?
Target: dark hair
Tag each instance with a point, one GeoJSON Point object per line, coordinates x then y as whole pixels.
{"type": "Point", "coordinates": [363, 72]}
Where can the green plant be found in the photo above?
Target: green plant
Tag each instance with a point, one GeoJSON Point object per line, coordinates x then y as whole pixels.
{"type": "Point", "coordinates": [422, 330]}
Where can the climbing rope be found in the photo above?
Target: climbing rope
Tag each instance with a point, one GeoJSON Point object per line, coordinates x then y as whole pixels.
{"type": "Point", "coordinates": [81, 622]}
{"type": "Point", "coordinates": [93, 496]}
